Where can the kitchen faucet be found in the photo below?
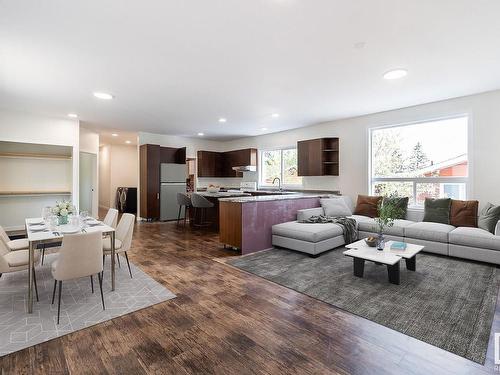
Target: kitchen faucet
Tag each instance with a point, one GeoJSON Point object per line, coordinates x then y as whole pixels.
{"type": "Point", "coordinates": [279, 182]}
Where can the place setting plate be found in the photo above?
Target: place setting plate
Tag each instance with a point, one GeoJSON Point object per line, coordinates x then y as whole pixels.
{"type": "Point", "coordinates": [37, 227]}
{"type": "Point", "coordinates": [68, 229]}
{"type": "Point", "coordinates": [93, 222]}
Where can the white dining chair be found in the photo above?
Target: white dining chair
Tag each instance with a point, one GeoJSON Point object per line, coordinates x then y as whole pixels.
{"type": "Point", "coordinates": [19, 244]}
{"type": "Point", "coordinates": [79, 256]}
{"type": "Point", "coordinates": [111, 217]}
{"type": "Point", "coordinates": [17, 260]}
{"type": "Point", "coordinates": [123, 239]}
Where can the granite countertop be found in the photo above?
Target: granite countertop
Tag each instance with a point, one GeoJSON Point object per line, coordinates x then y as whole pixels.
{"type": "Point", "coordinates": [264, 198]}
{"type": "Point", "coordinates": [222, 194]}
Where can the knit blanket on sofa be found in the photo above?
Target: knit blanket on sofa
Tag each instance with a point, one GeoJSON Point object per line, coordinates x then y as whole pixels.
{"type": "Point", "coordinates": [348, 225]}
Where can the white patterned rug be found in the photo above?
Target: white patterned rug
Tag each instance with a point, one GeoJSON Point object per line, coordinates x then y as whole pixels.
{"type": "Point", "coordinates": [79, 307]}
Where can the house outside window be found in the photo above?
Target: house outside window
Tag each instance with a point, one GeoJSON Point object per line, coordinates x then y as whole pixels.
{"type": "Point", "coordinates": [421, 160]}
{"type": "Point", "coordinates": [281, 163]}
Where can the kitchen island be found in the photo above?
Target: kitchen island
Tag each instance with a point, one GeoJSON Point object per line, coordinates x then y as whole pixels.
{"type": "Point", "coordinates": [246, 222]}
{"type": "Point", "coordinates": [212, 214]}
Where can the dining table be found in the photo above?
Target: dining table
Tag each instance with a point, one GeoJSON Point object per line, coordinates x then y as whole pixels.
{"type": "Point", "coordinates": [40, 234]}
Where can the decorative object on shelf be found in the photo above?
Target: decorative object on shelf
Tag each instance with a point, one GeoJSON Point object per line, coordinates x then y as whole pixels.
{"type": "Point", "coordinates": [62, 210]}
{"type": "Point", "coordinates": [388, 211]}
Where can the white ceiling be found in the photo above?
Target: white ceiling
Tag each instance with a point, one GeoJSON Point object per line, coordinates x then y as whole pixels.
{"type": "Point", "coordinates": [176, 66]}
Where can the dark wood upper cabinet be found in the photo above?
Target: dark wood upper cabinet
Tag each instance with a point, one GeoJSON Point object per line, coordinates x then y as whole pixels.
{"type": "Point", "coordinates": [173, 155]}
{"type": "Point", "coordinates": [220, 164]}
{"type": "Point", "coordinates": [318, 157]}
{"type": "Point", "coordinates": [149, 160]}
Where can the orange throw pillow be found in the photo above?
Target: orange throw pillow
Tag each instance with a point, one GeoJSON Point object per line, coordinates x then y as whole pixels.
{"type": "Point", "coordinates": [463, 213]}
{"type": "Point", "coordinates": [367, 206]}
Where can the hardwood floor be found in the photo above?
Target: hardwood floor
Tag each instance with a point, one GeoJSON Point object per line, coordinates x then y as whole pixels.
{"type": "Point", "coordinates": [225, 321]}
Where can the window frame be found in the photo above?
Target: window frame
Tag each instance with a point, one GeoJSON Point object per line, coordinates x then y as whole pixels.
{"type": "Point", "coordinates": [261, 160]}
{"type": "Point", "coordinates": [418, 180]}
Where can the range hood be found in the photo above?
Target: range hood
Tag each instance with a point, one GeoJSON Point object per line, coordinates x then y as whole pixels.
{"type": "Point", "coordinates": [245, 168]}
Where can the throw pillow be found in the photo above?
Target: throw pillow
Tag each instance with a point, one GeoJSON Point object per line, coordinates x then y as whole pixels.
{"type": "Point", "coordinates": [437, 210]}
{"type": "Point", "coordinates": [463, 213]}
{"type": "Point", "coordinates": [367, 206]}
{"type": "Point", "coordinates": [335, 207]}
{"type": "Point", "coordinates": [401, 203]}
{"type": "Point", "coordinates": [488, 218]}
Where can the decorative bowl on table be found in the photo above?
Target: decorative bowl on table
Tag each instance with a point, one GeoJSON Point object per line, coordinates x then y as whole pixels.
{"type": "Point", "coordinates": [213, 188]}
{"type": "Point", "coordinates": [371, 241]}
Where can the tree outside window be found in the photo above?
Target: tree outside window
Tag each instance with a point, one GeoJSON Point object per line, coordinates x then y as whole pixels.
{"type": "Point", "coordinates": [281, 164]}
{"type": "Point", "coordinates": [423, 160]}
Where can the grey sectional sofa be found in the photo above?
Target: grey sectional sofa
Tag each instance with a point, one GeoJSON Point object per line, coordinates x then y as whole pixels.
{"type": "Point", "coordinates": [462, 242]}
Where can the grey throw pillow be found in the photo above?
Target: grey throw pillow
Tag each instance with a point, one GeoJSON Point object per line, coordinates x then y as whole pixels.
{"type": "Point", "coordinates": [488, 218]}
{"type": "Point", "coordinates": [437, 210]}
{"type": "Point", "coordinates": [335, 207]}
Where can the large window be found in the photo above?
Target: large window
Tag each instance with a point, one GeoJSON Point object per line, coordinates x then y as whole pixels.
{"type": "Point", "coordinates": [281, 164]}
{"type": "Point", "coordinates": [422, 160]}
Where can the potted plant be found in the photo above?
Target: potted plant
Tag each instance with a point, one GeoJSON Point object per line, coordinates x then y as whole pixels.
{"type": "Point", "coordinates": [62, 210]}
{"type": "Point", "coordinates": [388, 211]}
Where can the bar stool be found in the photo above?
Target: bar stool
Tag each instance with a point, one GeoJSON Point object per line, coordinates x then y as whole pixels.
{"type": "Point", "coordinates": [183, 200]}
{"type": "Point", "coordinates": [200, 202]}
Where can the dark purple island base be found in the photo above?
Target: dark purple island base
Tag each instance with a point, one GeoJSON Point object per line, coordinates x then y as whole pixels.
{"type": "Point", "coordinates": [246, 223]}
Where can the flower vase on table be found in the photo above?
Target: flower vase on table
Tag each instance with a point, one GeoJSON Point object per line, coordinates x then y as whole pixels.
{"type": "Point", "coordinates": [62, 210]}
{"type": "Point", "coordinates": [388, 211]}
{"type": "Point", "coordinates": [380, 242]}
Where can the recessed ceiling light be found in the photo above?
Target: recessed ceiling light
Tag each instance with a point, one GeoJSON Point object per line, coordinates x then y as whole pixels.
{"type": "Point", "coordinates": [222, 119]}
{"type": "Point", "coordinates": [275, 115]}
{"type": "Point", "coordinates": [263, 129]}
{"type": "Point", "coordinates": [201, 134]}
{"type": "Point", "coordinates": [114, 135]}
{"type": "Point", "coordinates": [103, 95]}
{"type": "Point", "coordinates": [72, 115]}
{"type": "Point", "coordinates": [395, 74]}
{"type": "Point", "coordinates": [128, 142]}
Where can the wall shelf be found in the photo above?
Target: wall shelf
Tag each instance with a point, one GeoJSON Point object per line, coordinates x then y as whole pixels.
{"type": "Point", "coordinates": [33, 156]}
{"type": "Point", "coordinates": [318, 157]}
{"type": "Point", "coordinates": [34, 192]}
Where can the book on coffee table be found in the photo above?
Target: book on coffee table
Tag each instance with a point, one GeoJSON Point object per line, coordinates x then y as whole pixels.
{"type": "Point", "coordinates": [398, 246]}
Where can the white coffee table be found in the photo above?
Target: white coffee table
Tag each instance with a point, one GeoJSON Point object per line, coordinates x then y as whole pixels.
{"type": "Point", "coordinates": [360, 252]}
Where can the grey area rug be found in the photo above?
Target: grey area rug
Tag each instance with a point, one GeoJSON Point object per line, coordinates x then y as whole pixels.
{"type": "Point", "coordinates": [448, 303]}
{"type": "Point", "coordinates": [79, 307]}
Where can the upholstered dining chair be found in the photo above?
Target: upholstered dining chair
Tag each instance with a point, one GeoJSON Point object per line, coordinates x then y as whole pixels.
{"type": "Point", "coordinates": [111, 218]}
{"type": "Point", "coordinates": [80, 256]}
{"type": "Point", "coordinates": [123, 239]}
{"type": "Point", "coordinates": [183, 200]}
{"type": "Point", "coordinates": [200, 203]}
{"type": "Point", "coordinates": [19, 244]}
{"type": "Point", "coordinates": [18, 260]}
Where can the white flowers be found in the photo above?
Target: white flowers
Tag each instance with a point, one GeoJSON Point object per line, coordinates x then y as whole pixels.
{"type": "Point", "coordinates": [63, 208]}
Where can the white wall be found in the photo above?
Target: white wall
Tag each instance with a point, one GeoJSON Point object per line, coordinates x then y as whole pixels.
{"type": "Point", "coordinates": [89, 141]}
{"type": "Point", "coordinates": [192, 144]}
{"type": "Point", "coordinates": [118, 167]}
{"type": "Point", "coordinates": [104, 176]}
{"type": "Point", "coordinates": [124, 168]}
{"type": "Point", "coordinates": [484, 149]}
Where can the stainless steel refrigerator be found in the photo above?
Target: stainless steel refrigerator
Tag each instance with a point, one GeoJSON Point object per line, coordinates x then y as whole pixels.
{"type": "Point", "coordinates": [173, 181]}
